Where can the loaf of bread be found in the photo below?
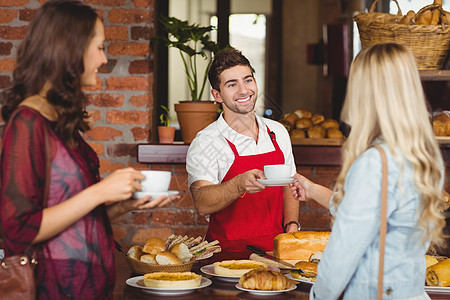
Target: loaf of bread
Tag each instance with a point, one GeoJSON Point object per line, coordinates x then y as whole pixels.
{"type": "Point", "coordinates": [330, 123]}
{"type": "Point", "coordinates": [154, 246]}
{"type": "Point", "coordinates": [298, 134]}
{"type": "Point", "coordinates": [299, 245]}
{"type": "Point", "coordinates": [317, 119]}
{"type": "Point", "coordinates": [167, 258]}
{"type": "Point", "coordinates": [334, 133]}
{"type": "Point", "coordinates": [148, 258]}
{"type": "Point", "coordinates": [264, 279]}
{"type": "Point", "coordinates": [303, 113]}
{"type": "Point", "coordinates": [441, 124]}
{"type": "Point", "coordinates": [291, 118]}
{"type": "Point", "coordinates": [439, 274]}
{"type": "Point", "coordinates": [303, 123]}
{"type": "Point", "coordinates": [135, 252]}
{"type": "Point", "coordinates": [317, 132]}
{"type": "Point", "coordinates": [439, 128]}
{"type": "Point", "coordinates": [182, 252]}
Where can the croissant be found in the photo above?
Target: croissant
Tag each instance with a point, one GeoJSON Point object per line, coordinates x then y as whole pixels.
{"type": "Point", "coordinates": [264, 279]}
{"type": "Point", "coordinates": [439, 274]}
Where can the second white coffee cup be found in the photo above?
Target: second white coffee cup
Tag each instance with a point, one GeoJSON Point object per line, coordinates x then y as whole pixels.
{"type": "Point", "coordinates": [156, 181]}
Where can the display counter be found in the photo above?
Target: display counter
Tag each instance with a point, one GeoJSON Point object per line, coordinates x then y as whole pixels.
{"type": "Point", "coordinates": [220, 290]}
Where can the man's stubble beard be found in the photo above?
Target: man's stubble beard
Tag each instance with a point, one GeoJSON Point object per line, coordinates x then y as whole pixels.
{"type": "Point", "coordinates": [235, 108]}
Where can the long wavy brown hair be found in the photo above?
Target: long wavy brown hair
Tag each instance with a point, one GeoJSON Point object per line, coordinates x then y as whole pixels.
{"type": "Point", "coordinates": [52, 52]}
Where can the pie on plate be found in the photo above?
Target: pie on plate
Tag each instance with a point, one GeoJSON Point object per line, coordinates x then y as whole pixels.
{"type": "Point", "coordinates": [236, 267]}
{"type": "Point", "coordinates": [180, 280]}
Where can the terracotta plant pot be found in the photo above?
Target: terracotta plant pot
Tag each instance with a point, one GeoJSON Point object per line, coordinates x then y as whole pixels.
{"type": "Point", "coordinates": [193, 116]}
{"type": "Point", "coordinates": [166, 134]}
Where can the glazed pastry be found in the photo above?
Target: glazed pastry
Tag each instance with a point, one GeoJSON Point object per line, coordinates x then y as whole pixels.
{"type": "Point", "coordinates": [264, 279]}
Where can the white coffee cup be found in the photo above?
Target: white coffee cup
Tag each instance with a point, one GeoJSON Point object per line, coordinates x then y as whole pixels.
{"type": "Point", "coordinates": [156, 181]}
{"type": "Point", "coordinates": [277, 171]}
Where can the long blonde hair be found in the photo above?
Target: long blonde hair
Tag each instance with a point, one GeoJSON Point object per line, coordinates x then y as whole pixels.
{"type": "Point", "coordinates": [385, 99]}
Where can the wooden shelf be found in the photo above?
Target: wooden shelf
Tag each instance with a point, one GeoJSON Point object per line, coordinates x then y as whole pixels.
{"type": "Point", "coordinates": [176, 154]}
{"type": "Point", "coordinates": [435, 75]}
{"type": "Point", "coordinates": [317, 142]}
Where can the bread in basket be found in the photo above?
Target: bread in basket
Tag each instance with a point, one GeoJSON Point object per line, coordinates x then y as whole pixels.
{"type": "Point", "coordinates": [138, 267]}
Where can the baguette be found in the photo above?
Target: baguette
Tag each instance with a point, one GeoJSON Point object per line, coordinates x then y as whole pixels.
{"type": "Point", "coordinates": [299, 245]}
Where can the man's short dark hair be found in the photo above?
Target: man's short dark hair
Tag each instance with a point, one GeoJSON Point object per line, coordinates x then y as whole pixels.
{"type": "Point", "coordinates": [223, 60]}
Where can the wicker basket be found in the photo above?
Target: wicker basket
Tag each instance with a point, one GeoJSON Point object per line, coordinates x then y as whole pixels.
{"type": "Point", "coordinates": [142, 268]}
{"type": "Point", "coordinates": [429, 43]}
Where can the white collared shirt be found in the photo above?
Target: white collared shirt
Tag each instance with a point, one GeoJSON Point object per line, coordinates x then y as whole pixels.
{"type": "Point", "coordinates": [209, 156]}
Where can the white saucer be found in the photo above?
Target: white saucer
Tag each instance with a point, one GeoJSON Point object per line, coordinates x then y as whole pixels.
{"type": "Point", "coordinates": [264, 292]}
{"type": "Point", "coordinates": [298, 279]}
{"type": "Point", "coordinates": [139, 195]}
{"type": "Point", "coordinates": [276, 182]}
{"type": "Point", "coordinates": [209, 270]}
{"type": "Point", "coordinates": [438, 289]}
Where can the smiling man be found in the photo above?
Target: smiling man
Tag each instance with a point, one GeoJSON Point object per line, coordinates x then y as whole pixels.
{"type": "Point", "coordinates": [226, 158]}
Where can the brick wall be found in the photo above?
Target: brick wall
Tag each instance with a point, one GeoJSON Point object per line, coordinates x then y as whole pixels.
{"type": "Point", "coordinates": [121, 106]}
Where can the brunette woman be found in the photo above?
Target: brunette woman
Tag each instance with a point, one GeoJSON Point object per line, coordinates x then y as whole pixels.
{"type": "Point", "coordinates": [45, 111]}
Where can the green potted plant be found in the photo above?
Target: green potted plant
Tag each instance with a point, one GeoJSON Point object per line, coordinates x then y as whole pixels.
{"type": "Point", "coordinates": [166, 133]}
{"type": "Point", "coordinates": [194, 44]}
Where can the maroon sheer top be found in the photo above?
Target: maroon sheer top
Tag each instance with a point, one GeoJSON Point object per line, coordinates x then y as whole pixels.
{"type": "Point", "coordinates": [78, 263]}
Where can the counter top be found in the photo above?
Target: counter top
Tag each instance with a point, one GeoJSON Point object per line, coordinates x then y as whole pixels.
{"type": "Point", "coordinates": [217, 290]}
{"type": "Point", "coordinates": [307, 155]}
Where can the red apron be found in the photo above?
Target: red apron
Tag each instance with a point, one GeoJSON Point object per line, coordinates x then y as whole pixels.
{"type": "Point", "coordinates": [254, 219]}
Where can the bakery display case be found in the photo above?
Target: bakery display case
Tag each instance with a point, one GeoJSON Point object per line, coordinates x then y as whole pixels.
{"type": "Point", "coordinates": [435, 81]}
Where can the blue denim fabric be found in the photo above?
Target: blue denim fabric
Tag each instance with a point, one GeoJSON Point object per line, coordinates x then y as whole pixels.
{"type": "Point", "coordinates": [350, 260]}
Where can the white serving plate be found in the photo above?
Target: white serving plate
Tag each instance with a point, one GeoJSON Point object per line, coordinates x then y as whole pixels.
{"type": "Point", "coordinates": [438, 289]}
{"type": "Point", "coordinates": [300, 280]}
{"type": "Point", "coordinates": [155, 195]}
{"type": "Point", "coordinates": [209, 270]}
{"type": "Point", "coordinates": [265, 293]}
{"type": "Point", "coordinates": [138, 282]}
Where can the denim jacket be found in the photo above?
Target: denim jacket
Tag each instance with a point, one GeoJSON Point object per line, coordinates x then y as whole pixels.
{"type": "Point", "coordinates": [349, 265]}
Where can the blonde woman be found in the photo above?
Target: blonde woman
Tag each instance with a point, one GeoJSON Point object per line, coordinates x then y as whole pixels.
{"type": "Point", "coordinates": [384, 105]}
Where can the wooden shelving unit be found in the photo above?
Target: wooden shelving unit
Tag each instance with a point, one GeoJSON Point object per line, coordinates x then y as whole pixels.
{"type": "Point", "coordinates": [438, 75]}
